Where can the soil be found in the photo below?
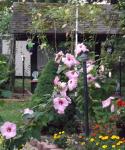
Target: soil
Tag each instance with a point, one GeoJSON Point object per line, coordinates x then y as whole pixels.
{"type": "Point", "coordinates": [19, 93]}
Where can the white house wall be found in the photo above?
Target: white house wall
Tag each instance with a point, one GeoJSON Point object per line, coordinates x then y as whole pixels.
{"type": "Point", "coordinates": [6, 47]}
{"type": "Point", "coordinates": [21, 49]}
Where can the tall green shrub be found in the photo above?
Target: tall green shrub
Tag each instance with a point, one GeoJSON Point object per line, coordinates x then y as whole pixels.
{"type": "Point", "coordinates": [45, 81]}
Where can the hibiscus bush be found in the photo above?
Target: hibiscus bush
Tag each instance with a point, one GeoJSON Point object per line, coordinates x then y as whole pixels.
{"type": "Point", "coordinates": [67, 97]}
{"type": "Point", "coordinates": [65, 104]}
{"type": "Point", "coordinates": [69, 84]}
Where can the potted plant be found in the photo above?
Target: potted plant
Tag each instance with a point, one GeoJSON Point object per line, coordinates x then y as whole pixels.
{"type": "Point", "coordinates": [29, 45]}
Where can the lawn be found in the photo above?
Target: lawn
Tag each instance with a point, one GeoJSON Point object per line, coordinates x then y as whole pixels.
{"type": "Point", "coordinates": [27, 82]}
{"type": "Point", "coordinates": [11, 110]}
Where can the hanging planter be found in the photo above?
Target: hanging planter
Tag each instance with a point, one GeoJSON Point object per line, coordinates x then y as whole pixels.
{"type": "Point", "coordinates": [29, 45]}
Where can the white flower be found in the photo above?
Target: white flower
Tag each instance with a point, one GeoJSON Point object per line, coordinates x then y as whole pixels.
{"type": "Point", "coordinates": [28, 111]}
{"type": "Point", "coordinates": [97, 85]}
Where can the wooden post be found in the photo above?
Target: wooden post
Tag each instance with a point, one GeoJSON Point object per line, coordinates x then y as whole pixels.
{"type": "Point", "coordinates": [76, 30]}
{"type": "Point", "coordinates": [34, 63]}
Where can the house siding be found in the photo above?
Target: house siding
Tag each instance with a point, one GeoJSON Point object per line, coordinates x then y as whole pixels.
{"type": "Point", "coordinates": [21, 49]}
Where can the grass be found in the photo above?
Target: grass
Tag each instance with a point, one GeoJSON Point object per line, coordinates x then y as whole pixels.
{"type": "Point", "coordinates": [11, 110]}
{"type": "Point", "coordinates": [27, 82]}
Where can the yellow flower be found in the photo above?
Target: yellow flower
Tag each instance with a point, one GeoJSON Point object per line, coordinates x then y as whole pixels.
{"type": "Point", "coordinates": [60, 133]}
{"type": "Point", "coordinates": [117, 137]}
{"type": "Point", "coordinates": [63, 132]}
{"type": "Point", "coordinates": [58, 137]}
{"type": "Point", "coordinates": [97, 143]}
{"type": "Point", "coordinates": [113, 137]}
{"type": "Point", "coordinates": [104, 138]}
{"type": "Point", "coordinates": [54, 137]}
{"type": "Point", "coordinates": [55, 134]}
{"type": "Point", "coordinates": [82, 143]}
{"type": "Point", "coordinates": [100, 136]}
{"type": "Point", "coordinates": [119, 143]}
{"type": "Point", "coordinates": [104, 146]}
{"type": "Point", "coordinates": [113, 146]}
{"type": "Point", "coordinates": [92, 140]}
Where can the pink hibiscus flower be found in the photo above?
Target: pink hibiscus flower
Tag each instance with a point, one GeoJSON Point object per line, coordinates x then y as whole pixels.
{"type": "Point", "coordinates": [107, 102]}
{"type": "Point", "coordinates": [62, 88]}
{"type": "Point", "coordinates": [63, 92]}
{"type": "Point", "coordinates": [58, 57]}
{"type": "Point", "coordinates": [8, 130]}
{"type": "Point", "coordinates": [60, 104]}
{"type": "Point", "coordinates": [90, 65]}
{"type": "Point", "coordinates": [102, 68]}
{"type": "Point", "coordinates": [61, 85]}
{"type": "Point", "coordinates": [72, 74]}
{"type": "Point", "coordinates": [56, 80]}
{"type": "Point", "coordinates": [72, 84]}
{"type": "Point", "coordinates": [90, 68]}
{"type": "Point", "coordinates": [90, 78]}
{"type": "Point", "coordinates": [28, 111]}
{"type": "Point", "coordinates": [90, 62]}
{"type": "Point", "coordinates": [69, 60]}
{"type": "Point", "coordinates": [80, 48]}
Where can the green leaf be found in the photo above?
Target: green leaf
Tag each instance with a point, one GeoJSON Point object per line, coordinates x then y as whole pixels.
{"type": "Point", "coordinates": [6, 94]}
{"type": "Point", "coordinates": [61, 68]}
{"type": "Point", "coordinates": [30, 45]}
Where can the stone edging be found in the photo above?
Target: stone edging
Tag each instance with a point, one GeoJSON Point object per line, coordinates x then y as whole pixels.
{"type": "Point", "coordinates": [44, 146]}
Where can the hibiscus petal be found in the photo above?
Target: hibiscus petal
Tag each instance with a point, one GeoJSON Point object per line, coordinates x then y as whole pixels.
{"type": "Point", "coordinates": [106, 103]}
{"type": "Point", "coordinates": [112, 108]}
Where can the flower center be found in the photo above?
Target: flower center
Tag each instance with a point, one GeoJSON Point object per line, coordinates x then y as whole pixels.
{"type": "Point", "coordinates": [61, 102]}
{"type": "Point", "coordinates": [8, 129]}
{"type": "Point", "coordinates": [70, 82]}
{"type": "Point", "coordinates": [69, 58]}
{"type": "Point", "coordinates": [89, 78]}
